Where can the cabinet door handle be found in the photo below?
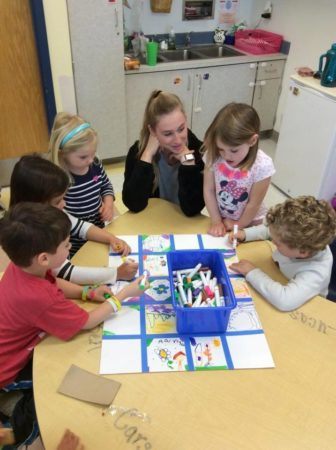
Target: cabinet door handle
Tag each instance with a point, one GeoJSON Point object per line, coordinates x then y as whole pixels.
{"type": "Point", "coordinates": [189, 82]}
{"type": "Point", "coordinates": [198, 107]}
{"type": "Point", "coordinates": [261, 84]}
{"type": "Point", "coordinates": [116, 18]}
{"type": "Point", "coordinates": [251, 84]}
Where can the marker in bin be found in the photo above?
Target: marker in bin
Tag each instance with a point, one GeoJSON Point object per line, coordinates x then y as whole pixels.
{"type": "Point", "coordinates": [199, 292]}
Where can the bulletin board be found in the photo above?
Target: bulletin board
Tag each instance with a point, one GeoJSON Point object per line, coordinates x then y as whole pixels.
{"type": "Point", "coordinates": [142, 336]}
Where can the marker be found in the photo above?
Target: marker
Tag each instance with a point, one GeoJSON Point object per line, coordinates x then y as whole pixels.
{"type": "Point", "coordinates": [195, 270]}
{"type": "Point", "coordinates": [182, 294]}
{"type": "Point", "coordinates": [142, 284]}
{"type": "Point", "coordinates": [235, 231]}
{"type": "Point", "coordinates": [217, 297]}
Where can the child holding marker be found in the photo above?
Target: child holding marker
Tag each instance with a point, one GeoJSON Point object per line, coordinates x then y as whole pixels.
{"type": "Point", "coordinates": [301, 228]}
{"type": "Point", "coordinates": [73, 146]}
{"type": "Point", "coordinates": [36, 179]}
{"type": "Point", "coordinates": [237, 174]}
{"type": "Point", "coordinates": [33, 303]}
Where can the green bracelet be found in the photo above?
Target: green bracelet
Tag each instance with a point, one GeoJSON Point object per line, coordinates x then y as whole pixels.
{"type": "Point", "coordinates": [84, 292]}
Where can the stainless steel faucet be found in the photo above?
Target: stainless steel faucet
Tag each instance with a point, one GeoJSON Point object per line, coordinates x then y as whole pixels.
{"type": "Point", "coordinates": [188, 39]}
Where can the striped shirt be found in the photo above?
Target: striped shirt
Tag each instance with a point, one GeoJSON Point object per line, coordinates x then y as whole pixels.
{"type": "Point", "coordinates": [84, 198]}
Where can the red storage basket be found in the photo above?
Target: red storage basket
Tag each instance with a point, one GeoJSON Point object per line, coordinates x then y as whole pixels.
{"type": "Point", "coordinates": [258, 42]}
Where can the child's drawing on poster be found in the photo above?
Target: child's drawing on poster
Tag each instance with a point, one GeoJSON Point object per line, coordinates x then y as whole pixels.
{"type": "Point", "coordinates": [156, 243]}
{"type": "Point", "coordinates": [166, 354]}
{"type": "Point", "coordinates": [207, 353]}
{"type": "Point", "coordinates": [240, 288]}
{"type": "Point", "coordinates": [244, 318]}
{"type": "Point", "coordinates": [159, 290]}
{"type": "Point", "coordinates": [156, 265]}
{"type": "Point", "coordinates": [160, 319]}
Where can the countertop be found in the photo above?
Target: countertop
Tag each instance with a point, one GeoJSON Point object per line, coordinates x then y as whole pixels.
{"type": "Point", "coordinates": [315, 84]}
{"type": "Point", "coordinates": [208, 62]}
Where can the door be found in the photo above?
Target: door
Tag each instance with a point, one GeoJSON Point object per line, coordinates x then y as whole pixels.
{"type": "Point", "coordinates": [23, 124]}
{"type": "Point", "coordinates": [214, 87]}
{"type": "Point", "coordinates": [139, 88]}
{"type": "Point", "coordinates": [96, 30]}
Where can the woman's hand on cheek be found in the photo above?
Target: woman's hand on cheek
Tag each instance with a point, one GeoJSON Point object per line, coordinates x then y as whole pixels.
{"type": "Point", "coordinates": [151, 149]}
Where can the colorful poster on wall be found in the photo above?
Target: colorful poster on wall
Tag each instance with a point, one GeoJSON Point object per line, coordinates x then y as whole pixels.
{"type": "Point", "coordinates": [227, 11]}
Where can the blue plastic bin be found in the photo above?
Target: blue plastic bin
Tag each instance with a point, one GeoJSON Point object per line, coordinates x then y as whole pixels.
{"type": "Point", "coordinates": [194, 320]}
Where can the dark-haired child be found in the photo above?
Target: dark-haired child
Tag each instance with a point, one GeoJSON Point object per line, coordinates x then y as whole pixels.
{"type": "Point", "coordinates": [35, 179]}
{"type": "Point", "coordinates": [33, 303]}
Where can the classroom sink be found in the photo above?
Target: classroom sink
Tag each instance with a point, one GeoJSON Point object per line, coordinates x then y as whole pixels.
{"type": "Point", "coordinates": [181, 54]}
{"type": "Point", "coordinates": [216, 51]}
{"type": "Point", "coordinates": [197, 52]}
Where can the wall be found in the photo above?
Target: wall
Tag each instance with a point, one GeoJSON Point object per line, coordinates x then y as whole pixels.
{"type": "Point", "coordinates": [141, 18]}
{"type": "Point", "coordinates": [56, 18]}
{"type": "Point", "coordinates": [309, 26]}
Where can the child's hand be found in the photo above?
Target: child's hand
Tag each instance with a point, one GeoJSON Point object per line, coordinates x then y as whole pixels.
{"type": "Point", "coordinates": [127, 270]}
{"type": "Point", "coordinates": [120, 246]}
{"type": "Point", "coordinates": [133, 289]}
{"type": "Point", "coordinates": [217, 229]}
{"type": "Point", "coordinates": [97, 294]}
{"type": "Point", "coordinates": [228, 223]}
{"type": "Point", "coordinates": [70, 441]}
{"type": "Point", "coordinates": [240, 236]}
{"type": "Point", "coordinates": [106, 209]}
{"type": "Point", "coordinates": [243, 267]}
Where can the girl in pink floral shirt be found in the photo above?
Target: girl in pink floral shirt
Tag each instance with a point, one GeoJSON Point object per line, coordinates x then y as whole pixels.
{"type": "Point", "coordinates": [237, 174]}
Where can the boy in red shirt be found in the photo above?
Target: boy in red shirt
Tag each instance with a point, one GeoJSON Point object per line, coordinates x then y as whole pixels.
{"type": "Point", "coordinates": [33, 303]}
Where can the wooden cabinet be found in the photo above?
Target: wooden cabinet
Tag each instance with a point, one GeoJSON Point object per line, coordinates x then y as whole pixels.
{"type": "Point", "coordinates": [267, 91]}
{"type": "Point", "coordinates": [96, 30]}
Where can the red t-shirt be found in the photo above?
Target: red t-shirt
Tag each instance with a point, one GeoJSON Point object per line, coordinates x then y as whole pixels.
{"type": "Point", "coordinates": [30, 307]}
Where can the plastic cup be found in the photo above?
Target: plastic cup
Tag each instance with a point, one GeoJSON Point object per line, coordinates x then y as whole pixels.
{"type": "Point", "coordinates": [152, 52]}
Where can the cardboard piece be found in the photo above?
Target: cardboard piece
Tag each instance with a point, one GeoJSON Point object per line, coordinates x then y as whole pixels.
{"type": "Point", "coordinates": [86, 386]}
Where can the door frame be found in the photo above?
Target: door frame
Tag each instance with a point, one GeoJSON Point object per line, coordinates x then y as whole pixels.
{"type": "Point", "coordinates": [41, 41]}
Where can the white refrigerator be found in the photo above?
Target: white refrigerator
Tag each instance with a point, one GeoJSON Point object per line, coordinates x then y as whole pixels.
{"type": "Point", "coordinates": [305, 158]}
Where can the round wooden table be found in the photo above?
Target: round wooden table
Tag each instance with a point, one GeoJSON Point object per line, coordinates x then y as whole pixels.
{"type": "Point", "coordinates": [290, 407]}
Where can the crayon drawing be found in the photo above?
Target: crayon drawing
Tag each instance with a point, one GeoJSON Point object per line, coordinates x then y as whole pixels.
{"type": "Point", "coordinates": [207, 353]}
{"type": "Point", "coordinates": [160, 319]}
{"type": "Point", "coordinates": [159, 290]}
{"type": "Point", "coordinates": [166, 354]}
{"type": "Point", "coordinates": [244, 318]}
{"type": "Point", "coordinates": [156, 265]}
{"type": "Point", "coordinates": [156, 243]}
{"type": "Point", "coordinates": [240, 288]}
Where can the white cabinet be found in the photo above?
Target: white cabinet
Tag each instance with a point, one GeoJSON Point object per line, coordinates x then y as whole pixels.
{"type": "Point", "coordinates": [96, 30]}
{"type": "Point", "coordinates": [267, 91]}
{"type": "Point", "coordinates": [214, 87]}
{"type": "Point", "coordinates": [139, 87]}
{"type": "Point", "coordinates": [203, 92]}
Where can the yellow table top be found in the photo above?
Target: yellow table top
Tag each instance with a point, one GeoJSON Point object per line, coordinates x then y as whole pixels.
{"type": "Point", "coordinates": [290, 407]}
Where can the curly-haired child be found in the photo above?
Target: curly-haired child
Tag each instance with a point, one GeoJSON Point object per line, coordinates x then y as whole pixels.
{"type": "Point", "coordinates": [301, 228]}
